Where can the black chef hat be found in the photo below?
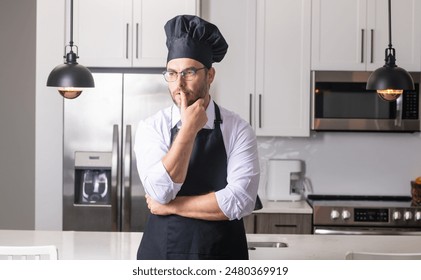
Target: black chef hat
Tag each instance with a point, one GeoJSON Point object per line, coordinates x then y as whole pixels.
{"type": "Point", "coordinates": [192, 37]}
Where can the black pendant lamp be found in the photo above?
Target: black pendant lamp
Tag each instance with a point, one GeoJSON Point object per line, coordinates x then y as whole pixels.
{"type": "Point", "coordinates": [390, 80]}
{"type": "Point", "coordinates": [70, 77]}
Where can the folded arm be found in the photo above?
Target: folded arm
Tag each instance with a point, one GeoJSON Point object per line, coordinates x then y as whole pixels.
{"type": "Point", "coordinates": [204, 207]}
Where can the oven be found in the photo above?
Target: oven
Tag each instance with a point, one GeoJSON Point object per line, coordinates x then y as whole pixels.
{"type": "Point", "coordinates": [365, 215]}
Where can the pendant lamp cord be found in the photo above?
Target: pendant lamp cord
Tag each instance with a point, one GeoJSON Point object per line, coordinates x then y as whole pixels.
{"type": "Point", "coordinates": [71, 56]}
{"type": "Point", "coordinates": [390, 24]}
{"type": "Point", "coordinates": [71, 23]}
{"type": "Point", "coordinates": [390, 57]}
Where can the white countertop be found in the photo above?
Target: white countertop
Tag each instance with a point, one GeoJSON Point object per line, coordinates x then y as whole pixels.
{"type": "Point", "coordinates": [123, 245]}
{"type": "Point", "coordinates": [285, 207]}
{"type": "Point", "coordinates": [78, 245]}
{"type": "Point", "coordinates": [332, 247]}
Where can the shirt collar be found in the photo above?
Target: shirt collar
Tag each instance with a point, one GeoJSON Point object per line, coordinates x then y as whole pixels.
{"type": "Point", "coordinates": [210, 113]}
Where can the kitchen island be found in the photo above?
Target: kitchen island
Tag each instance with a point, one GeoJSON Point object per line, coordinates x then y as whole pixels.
{"type": "Point", "coordinates": [78, 245]}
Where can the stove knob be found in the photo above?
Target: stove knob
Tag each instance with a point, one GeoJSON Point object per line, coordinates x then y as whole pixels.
{"type": "Point", "coordinates": [418, 216]}
{"type": "Point", "coordinates": [346, 215]}
{"type": "Point", "coordinates": [407, 216]}
{"type": "Point", "coordinates": [334, 214]}
{"type": "Point", "coordinates": [397, 215]}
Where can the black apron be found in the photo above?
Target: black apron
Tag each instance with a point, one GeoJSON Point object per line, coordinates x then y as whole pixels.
{"type": "Point", "coordinates": [176, 237]}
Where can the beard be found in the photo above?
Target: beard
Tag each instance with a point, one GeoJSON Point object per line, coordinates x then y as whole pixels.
{"type": "Point", "coordinates": [191, 95]}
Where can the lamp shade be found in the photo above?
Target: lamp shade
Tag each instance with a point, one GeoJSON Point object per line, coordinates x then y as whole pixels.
{"type": "Point", "coordinates": [70, 75]}
{"type": "Point", "coordinates": [390, 77]}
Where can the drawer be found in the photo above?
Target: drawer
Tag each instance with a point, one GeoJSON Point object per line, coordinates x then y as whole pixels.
{"type": "Point", "coordinates": [283, 223]}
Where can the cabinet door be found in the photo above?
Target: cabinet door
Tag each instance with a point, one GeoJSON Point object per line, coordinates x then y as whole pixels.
{"type": "Point", "coordinates": [283, 224]}
{"type": "Point", "coordinates": [102, 31]}
{"type": "Point", "coordinates": [282, 93]}
{"type": "Point", "coordinates": [339, 35]}
{"type": "Point", "coordinates": [150, 16]}
{"type": "Point", "coordinates": [406, 33]}
{"type": "Point", "coordinates": [235, 80]}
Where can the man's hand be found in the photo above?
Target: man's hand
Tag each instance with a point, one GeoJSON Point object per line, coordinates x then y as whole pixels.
{"type": "Point", "coordinates": [193, 117]}
{"type": "Point", "coordinates": [156, 208]}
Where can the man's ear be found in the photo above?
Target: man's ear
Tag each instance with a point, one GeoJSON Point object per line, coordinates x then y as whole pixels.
{"type": "Point", "coordinates": [211, 75]}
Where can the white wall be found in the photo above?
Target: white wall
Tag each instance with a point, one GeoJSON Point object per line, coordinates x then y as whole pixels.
{"type": "Point", "coordinates": [350, 163]}
{"type": "Point", "coordinates": [49, 116]}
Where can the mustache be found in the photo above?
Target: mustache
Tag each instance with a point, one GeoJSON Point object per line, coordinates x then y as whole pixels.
{"type": "Point", "coordinates": [183, 89]}
{"type": "Point", "coordinates": [187, 92]}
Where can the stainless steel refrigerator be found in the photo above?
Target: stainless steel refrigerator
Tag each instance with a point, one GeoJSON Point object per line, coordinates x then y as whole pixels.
{"type": "Point", "coordinates": [101, 187]}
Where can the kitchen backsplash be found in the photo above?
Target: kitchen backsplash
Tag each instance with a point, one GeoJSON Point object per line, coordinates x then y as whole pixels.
{"type": "Point", "coordinates": [349, 163]}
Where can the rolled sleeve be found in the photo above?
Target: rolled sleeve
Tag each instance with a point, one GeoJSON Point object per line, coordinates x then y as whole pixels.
{"type": "Point", "coordinates": [158, 184]}
{"type": "Point", "coordinates": [238, 198]}
{"type": "Point", "coordinates": [236, 203]}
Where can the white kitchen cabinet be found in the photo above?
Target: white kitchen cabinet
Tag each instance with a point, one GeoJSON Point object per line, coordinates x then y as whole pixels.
{"type": "Point", "coordinates": [265, 76]}
{"type": "Point", "coordinates": [125, 33]}
{"type": "Point", "coordinates": [353, 35]}
{"type": "Point", "coordinates": [281, 97]}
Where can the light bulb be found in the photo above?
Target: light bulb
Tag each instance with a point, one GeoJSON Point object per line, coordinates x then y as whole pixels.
{"type": "Point", "coordinates": [390, 91]}
{"type": "Point", "coordinates": [389, 94]}
{"type": "Point", "coordinates": [70, 92]}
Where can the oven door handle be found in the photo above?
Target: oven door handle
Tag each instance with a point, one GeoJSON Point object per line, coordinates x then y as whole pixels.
{"type": "Point", "coordinates": [360, 231]}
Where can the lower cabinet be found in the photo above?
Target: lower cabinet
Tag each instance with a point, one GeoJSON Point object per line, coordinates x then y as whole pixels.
{"type": "Point", "coordinates": [278, 223]}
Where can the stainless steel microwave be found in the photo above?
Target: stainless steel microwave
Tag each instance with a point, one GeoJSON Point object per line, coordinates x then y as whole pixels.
{"type": "Point", "coordinates": [340, 102]}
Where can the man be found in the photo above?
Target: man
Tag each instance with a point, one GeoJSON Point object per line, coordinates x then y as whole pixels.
{"type": "Point", "coordinates": [197, 161]}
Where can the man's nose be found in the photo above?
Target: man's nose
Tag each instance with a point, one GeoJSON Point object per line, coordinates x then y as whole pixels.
{"type": "Point", "coordinates": [181, 81]}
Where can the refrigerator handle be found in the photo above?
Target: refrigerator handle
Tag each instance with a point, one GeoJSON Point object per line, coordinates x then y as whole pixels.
{"type": "Point", "coordinates": [127, 180]}
{"type": "Point", "coordinates": [115, 181]}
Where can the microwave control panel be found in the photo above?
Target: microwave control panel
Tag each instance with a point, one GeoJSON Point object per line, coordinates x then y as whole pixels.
{"type": "Point", "coordinates": [410, 104]}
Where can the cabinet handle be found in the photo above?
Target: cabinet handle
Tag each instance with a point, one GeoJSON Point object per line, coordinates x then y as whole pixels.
{"type": "Point", "coordinates": [137, 40]}
{"type": "Point", "coordinates": [372, 47]}
{"type": "Point", "coordinates": [362, 45]}
{"type": "Point", "coordinates": [250, 107]}
{"type": "Point", "coordinates": [260, 111]}
{"type": "Point", "coordinates": [127, 41]}
{"type": "Point", "coordinates": [284, 226]}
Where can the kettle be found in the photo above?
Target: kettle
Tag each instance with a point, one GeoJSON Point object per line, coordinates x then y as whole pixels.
{"type": "Point", "coordinates": [283, 176]}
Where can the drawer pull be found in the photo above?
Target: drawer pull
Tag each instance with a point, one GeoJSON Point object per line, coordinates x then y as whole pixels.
{"type": "Point", "coordinates": [283, 226]}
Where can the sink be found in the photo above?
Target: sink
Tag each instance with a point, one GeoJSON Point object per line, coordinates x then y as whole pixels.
{"type": "Point", "coordinates": [266, 244]}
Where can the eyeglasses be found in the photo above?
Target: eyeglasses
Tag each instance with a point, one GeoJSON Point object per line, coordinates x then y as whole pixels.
{"type": "Point", "coordinates": [188, 74]}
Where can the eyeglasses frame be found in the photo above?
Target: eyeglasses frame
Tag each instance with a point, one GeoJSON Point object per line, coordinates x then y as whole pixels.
{"type": "Point", "coordinates": [183, 73]}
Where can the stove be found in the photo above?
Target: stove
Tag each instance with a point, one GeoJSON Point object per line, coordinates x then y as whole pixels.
{"type": "Point", "coordinates": [350, 214]}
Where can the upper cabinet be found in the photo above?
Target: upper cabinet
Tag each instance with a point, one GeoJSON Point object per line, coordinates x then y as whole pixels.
{"type": "Point", "coordinates": [353, 35]}
{"type": "Point", "coordinates": [282, 73]}
{"type": "Point", "coordinates": [125, 33]}
{"type": "Point", "coordinates": [265, 76]}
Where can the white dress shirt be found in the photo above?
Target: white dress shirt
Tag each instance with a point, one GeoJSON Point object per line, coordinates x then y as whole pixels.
{"type": "Point", "coordinates": [152, 143]}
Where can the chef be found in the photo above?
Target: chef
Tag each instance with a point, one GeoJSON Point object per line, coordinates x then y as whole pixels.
{"type": "Point", "coordinates": [197, 161]}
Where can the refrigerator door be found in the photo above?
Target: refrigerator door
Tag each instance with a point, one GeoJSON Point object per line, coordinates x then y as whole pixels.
{"type": "Point", "coordinates": [144, 95]}
{"type": "Point", "coordinates": [92, 129]}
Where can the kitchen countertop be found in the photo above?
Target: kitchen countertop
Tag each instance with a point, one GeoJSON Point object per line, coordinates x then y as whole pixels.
{"type": "Point", "coordinates": [123, 245]}
{"type": "Point", "coordinates": [285, 207]}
